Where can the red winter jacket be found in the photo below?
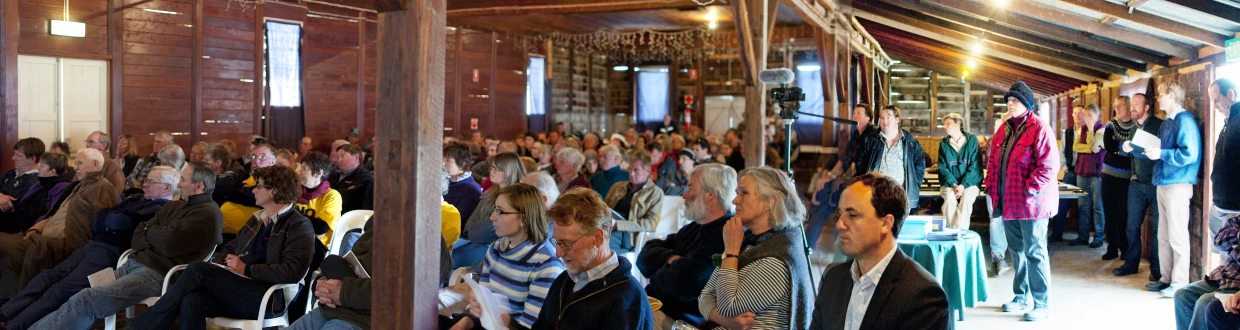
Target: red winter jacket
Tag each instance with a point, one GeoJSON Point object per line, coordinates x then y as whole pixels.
{"type": "Point", "coordinates": [1029, 188]}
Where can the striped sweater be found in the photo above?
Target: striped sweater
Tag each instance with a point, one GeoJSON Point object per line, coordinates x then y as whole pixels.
{"type": "Point", "coordinates": [523, 274]}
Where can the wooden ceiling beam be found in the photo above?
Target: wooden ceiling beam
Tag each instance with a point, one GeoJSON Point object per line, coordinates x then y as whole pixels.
{"type": "Point", "coordinates": [745, 35]}
{"type": "Point", "coordinates": [811, 12]}
{"type": "Point", "coordinates": [994, 31]}
{"type": "Point", "coordinates": [484, 8]}
{"type": "Point", "coordinates": [384, 6]}
{"type": "Point", "coordinates": [956, 8]}
{"type": "Point", "coordinates": [1210, 7]}
{"type": "Point", "coordinates": [1151, 21]}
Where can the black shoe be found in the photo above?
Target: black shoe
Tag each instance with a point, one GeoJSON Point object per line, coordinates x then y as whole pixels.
{"type": "Point", "coordinates": [1155, 276]}
{"type": "Point", "coordinates": [1123, 271]}
{"type": "Point", "coordinates": [1110, 255]}
{"type": "Point", "coordinates": [1157, 286]}
{"type": "Point", "coordinates": [1095, 244]}
{"type": "Point", "coordinates": [1079, 241]}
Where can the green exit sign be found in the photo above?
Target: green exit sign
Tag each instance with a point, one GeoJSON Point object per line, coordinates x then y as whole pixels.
{"type": "Point", "coordinates": [1233, 49]}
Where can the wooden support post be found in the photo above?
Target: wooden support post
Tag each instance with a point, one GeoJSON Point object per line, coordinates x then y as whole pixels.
{"type": "Point", "coordinates": [361, 71]}
{"type": "Point", "coordinates": [116, 66]}
{"type": "Point", "coordinates": [830, 101]}
{"type": "Point", "coordinates": [195, 111]}
{"type": "Point", "coordinates": [754, 16]}
{"type": "Point", "coordinates": [9, 20]}
{"type": "Point", "coordinates": [408, 162]}
{"type": "Point", "coordinates": [260, 58]}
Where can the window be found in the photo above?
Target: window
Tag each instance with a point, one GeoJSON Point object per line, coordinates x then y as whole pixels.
{"type": "Point", "coordinates": [652, 95]}
{"type": "Point", "coordinates": [535, 86]}
{"type": "Point", "coordinates": [809, 128]}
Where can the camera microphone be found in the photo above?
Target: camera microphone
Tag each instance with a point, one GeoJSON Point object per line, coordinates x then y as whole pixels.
{"type": "Point", "coordinates": [782, 76]}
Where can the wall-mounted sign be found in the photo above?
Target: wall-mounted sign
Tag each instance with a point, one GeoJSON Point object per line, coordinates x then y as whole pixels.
{"type": "Point", "coordinates": [68, 29]}
{"type": "Point", "coordinates": [1233, 49]}
{"type": "Point", "coordinates": [473, 124]}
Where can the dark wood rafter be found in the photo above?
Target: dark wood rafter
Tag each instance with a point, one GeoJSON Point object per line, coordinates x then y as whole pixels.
{"type": "Point", "coordinates": [1061, 37]}
{"type": "Point", "coordinates": [745, 34]}
{"type": "Point", "coordinates": [466, 8]}
{"type": "Point", "coordinates": [361, 70]}
{"type": "Point", "coordinates": [9, 33]}
{"type": "Point", "coordinates": [1210, 7]}
{"type": "Point", "coordinates": [1033, 16]}
{"type": "Point", "coordinates": [811, 12]}
{"type": "Point", "coordinates": [1151, 20]}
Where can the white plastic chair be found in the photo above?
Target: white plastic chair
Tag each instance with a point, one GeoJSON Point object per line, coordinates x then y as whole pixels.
{"type": "Point", "coordinates": [290, 292]}
{"type": "Point", "coordinates": [355, 219]}
{"type": "Point", "coordinates": [109, 323]}
{"type": "Point", "coordinates": [669, 218]}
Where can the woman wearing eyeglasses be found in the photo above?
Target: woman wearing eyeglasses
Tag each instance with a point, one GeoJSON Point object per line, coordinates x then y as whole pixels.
{"type": "Point", "coordinates": [521, 264]}
{"type": "Point", "coordinates": [763, 280]}
{"type": "Point", "coordinates": [506, 170]}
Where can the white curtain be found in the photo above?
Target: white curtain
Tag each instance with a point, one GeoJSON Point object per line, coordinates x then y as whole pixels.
{"type": "Point", "coordinates": [284, 65]}
{"type": "Point", "coordinates": [535, 88]}
{"type": "Point", "coordinates": [652, 102]}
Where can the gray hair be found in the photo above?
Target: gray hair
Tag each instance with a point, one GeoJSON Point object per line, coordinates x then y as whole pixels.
{"type": "Point", "coordinates": [545, 184]}
{"type": "Point", "coordinates": [787, 211]}
{"type": "Point", "coordinates": [718, 179]}
{"type": "Point", "coordinates": [166, 134]}
{"type": "Point", "coordinates": [88, 154]}
{"type": "Point", "coordinates": [573, 156]}
{"type": "Point", "coordinates": [172, 155]}
{"type": "Point", "coordinates": [609, 151]}
{"type": "Point", "coordinates": [202, 172]}
{"type": "Point", "coordinates": [167, 175]}
{"type": "Point", "coordinates": [104, 138]}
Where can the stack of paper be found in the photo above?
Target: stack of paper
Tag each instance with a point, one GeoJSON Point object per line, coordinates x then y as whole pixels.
{"type": "Point", "coordinates": [947, 234]}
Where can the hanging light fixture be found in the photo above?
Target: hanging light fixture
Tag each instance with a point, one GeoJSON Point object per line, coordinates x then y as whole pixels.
{"type": "Point", "coordinates": [67, 28]}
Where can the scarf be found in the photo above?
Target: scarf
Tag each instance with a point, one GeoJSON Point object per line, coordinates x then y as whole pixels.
{"type": "Point", "coordinates": [1087, 138]}
{"type": "Point", "coordinates": [308, 195]}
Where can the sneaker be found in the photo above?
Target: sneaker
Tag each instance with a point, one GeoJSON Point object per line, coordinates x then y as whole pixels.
{"type": "Point", "coordinates": [1015, 306]}
{"type": "Point", "coordinates": [1168, 292]}
{"type": "Point", "coordinates": [997, 266]}
{"type": "Point", "coordinates": [1157, 286]}
{"type": "Point", "coordinates": [1079, 241]}
{"type": "Point", "coordinates": [1095, 244]}
{"type": "Point", "coordinates": [1038, 314]}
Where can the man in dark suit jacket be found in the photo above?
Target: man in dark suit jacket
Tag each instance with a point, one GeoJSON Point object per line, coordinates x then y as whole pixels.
{"type": "Point", "coordinates": [881, 288]}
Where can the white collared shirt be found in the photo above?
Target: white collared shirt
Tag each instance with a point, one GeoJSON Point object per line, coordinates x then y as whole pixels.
{"type": "Point", "coordinates": [598, 272]}
{"type": "Point", "coordinates": [261, 214]}
{"type": "Point", "coordinates": [863, 290]}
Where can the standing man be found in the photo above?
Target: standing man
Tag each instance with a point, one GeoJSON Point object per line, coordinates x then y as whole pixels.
{"type": "Point", "coordinates": [895, 153]}
{"type": "Point", "coordinates": [1116, 172]}
{"type": "Point", "coordinates": [1141, 195]}
{"type": "Point", "coordinates": [665, 127]}
{"type": "Point", "coordinates": [1179, 159]}
{"type": "Point", "coordinates": [852, 148]}
{"type": "Point", "coordinates": [1068, 166]}
{"type": "Point", "coordinates": [1025, 195]}
{"type": "Point", "coordinates": [960, 172]}
{"type": "Point", "coordinates": [111, 168]}
{"type": "Point", "coordinates": [1226, 204]}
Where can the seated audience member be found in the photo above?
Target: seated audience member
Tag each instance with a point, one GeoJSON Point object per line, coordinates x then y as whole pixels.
{"type": "Point", "coordinates": [521, 265]}
{"type": "Point", "coordinates": [686, 160]}
{"type": "Point", "coordinates": [873, 207]}
{"type": "Point", "coordinates": [596, 291]}
{"type": "Point", "coordinates": [732, 156]}
{"type": "Point", "coordinates": [196, 152]}
{"type": "Point", "coordinates": [304, 146]}
{"type": "Point", "coordinates": [25, 172]}
{"type": "Point", "coordinates": [702, 149]}
{"type": "Point", "coordinates": [591, 142]}
{"type": "Point", "coordinates": [173, 156]}
{"type": "Point", "coordinates": [274, 247]}
{"type": "Point", "coordinates": [182, 231]}
{"type": "Point", "coordinates": [238, 156]}
{"type": "Point", "coordinates": [50, 241]}
{"type": "Point", "coordinates": [479, 233]}
{"type": "Point", "coordinates": [16, 182]}
{"type": "Point", "coordinates": [463, 192]}
{"type": "Point", "coordinates": [353, 180]}
{"type": "Point", "coordinates": [528, 163]}
{"type": "Point", "coordinates": [35, 203]}
{"type": "Point", "coordinates": [568, 173]}
{"type": "Point", "coordinates": [609, 159]}
{"type": "Point", "coordinates": [666, 174]}
{"type": "Point", "coordinates": [542, 153]}
{"type": "Point", "coordinates": [111, 169]}
{"type": "Point", "coordinates": [218, 157]}
{"type": "Point", "coordinates": [240, 205]}
{"type": "Point", "coordinates": [134, 180]}
{"type": "Point", "coordinates": [1193, 302]}
{"type": "Point", "coordinates": [113, 229]}
{"type": "Point", "coordinates": [545, 185]}
{"type": "Point", "coordinates": [638, 201]}
{"type": "Point", "coordinates": [763, 281]}
{"type": "Point", "coordinates": [592, 164]}
{"type": "Point", "coordinates": [318, 201]}
{"type": "Point", "coordinates": [60, 147]}
{"type": "Point", "coordinates": [286, 158]}
{"type": "Point", "coordinates": [127, 153]}
{"type": "Point", "coordinates": [680, 265]}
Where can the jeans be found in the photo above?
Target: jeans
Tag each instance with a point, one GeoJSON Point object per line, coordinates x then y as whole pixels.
{"type": "Point", "coordinates": [1061, 218]}
{"type": "Point", "coordinates": [1114, 202]}
{"type": "Point", "coordinates": [1191, 303]}
{"type": "Point", "coordinates": [314, 320]}
{"type": "Point", "coordinates": [53, 287]}
{"type": "Point", "coordinates": [1030, 259]}
{"type": "Point", "coordinates": [134, 282]}
{"type": "Point", "coordinates": [204, 291]}
{"type": "Point", "coordinates": [1219, 319]}
{"type": "Point", "coordinates": [819, 216]}
{"type": "Point", "coordinates": [1218, 218]}
{"type": "Point", "coordinates": [1173, 239]}
{"type": "Point", "coordinates": [1141, 197]}
{"type": "Point", "coordinates": [956, 213]}
{"type": "Point", "coordinates": [998, 237]}
{"type": "Point", "coordinates": [1089, 209]}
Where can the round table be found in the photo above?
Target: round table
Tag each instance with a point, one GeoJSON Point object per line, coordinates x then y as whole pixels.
{"type": "Point", "coordinates": [959, 266]}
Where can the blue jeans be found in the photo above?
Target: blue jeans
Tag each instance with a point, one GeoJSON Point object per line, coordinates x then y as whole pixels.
{"type": "Point", "coordinates": [1219, 319]}
{"type": "Point", "coordinates": [53, 287]}
{"type": "Point", "coordinates": [1089, 209]}
{"type": "Point", "coordinates": [134, 282]}
{"type": "Point", "coordinates": [1191, 303]}
{"type": "Point", "coordinates": [1031, 260]}
{"type": "Point", "coordinates": [314, 320]}
{"type": "Point", "coordinates": [204, 291]}
{"type": "Point", "coordinates": [1061, 218]}
{"type": "Point", "coordinates": [1141, 197]}
{"type": "Point", "coordinates": [819, 216]}
{"type": "Point", "coordinates": [998, 238]}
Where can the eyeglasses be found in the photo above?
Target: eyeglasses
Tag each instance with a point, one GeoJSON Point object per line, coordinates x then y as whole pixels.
{"type": "Point", "coordinates": [499, 211]}
{"type": "Point", "coordinates": [259, 157]}
{"type": "Point", "coordinates": [565, 246]}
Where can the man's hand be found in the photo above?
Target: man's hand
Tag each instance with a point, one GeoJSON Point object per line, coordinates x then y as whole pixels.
{"type": "Point", "coordinates": [1127, 146]}
{"type": "Point", "coordinates": [740, 322]}
{"type": "Point", "coordinates": [672, 259]}
{"type": "Point", "coordinates": [959, 190]}
{"type": "Point", "coordinates": [6, 203]}
{"type": "Point", "coordinates": [31, 233]}
{"type": "Point", "coordinates": [234, 263]}
{"type": "Point", "coordinates": [1097, 149]}
{"type": "Point", "coordinates": [1153, 153]}
{"type": "Point", "coordinates": [464, 324]}
{"type": "Point", "coordinates": [328, 292]}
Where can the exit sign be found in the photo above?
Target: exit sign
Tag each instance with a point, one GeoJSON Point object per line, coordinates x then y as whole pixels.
{"type": "Point", "coordinates": [1233, 49]}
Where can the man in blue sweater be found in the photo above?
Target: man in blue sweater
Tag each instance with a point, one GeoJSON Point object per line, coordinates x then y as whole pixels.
{"type": "Point", "coordinates": [609, 160]}
{"type": "Point", "coordinates": [1225, 98]}
{"type": "Point", "coordinates": [1174, 176]}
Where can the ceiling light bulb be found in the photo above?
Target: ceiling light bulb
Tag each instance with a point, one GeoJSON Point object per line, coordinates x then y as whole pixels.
{"type": "Point", "coordinates": [711, 16]}
{"type": "Point", "coordinates": [1001, 3]}
{"type": "Point", "coordinates": [971, 64]}
{"type": "Point", "coordinates": [712, 24]}
{"type": "Point", "coordinates": [977, 47]}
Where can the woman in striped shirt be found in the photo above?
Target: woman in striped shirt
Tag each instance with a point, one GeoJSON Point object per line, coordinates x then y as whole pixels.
{"type": "Point", "coordinates": [763, 281]}
{"type": "Point", "coordinates": [521, 265]}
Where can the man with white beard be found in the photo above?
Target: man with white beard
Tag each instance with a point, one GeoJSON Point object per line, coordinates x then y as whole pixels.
{"type": "Point", "coordinates": [680, 265]}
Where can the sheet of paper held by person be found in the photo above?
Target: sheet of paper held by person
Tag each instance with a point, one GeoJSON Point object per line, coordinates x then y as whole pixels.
{"type": "Point", "coordinates": [1145, 140]}
{"type": "Point", "coordinates": [492, 306]}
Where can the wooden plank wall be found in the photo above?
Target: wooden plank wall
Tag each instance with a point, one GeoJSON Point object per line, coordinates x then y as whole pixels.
{"type": "Point", "coordinates": [193, 66]}
{"type": "Point", "coordinates": [497, 97]}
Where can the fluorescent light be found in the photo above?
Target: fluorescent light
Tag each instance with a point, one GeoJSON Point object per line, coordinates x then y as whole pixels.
{"type": "Point", "coordinates": [247, 80]}
{"type": "Point", "coordinates": [157, 11]}
{"type": "Point", "coordinates": [68, 29]}
{"type": "Point", "coordinates": [977, 47]}
{"type": "Point", "coordinates": [1001, 3]}
{"type": "Point", "coordinates": [621, 68]}
{"type": "Point", "coordinates": [901, 70]}
{"type": "Point", "coordinates": [808, 68]}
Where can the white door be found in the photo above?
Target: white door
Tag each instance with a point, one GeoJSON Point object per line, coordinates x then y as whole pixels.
{"type": "Point", "coordinates": [723, 113]}
{"type": "Point", "coordinates": [62, 99]}
{"type": "Point", "coordinates": [38, 107]}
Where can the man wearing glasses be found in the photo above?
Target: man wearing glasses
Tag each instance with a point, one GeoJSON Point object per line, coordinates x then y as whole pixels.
{"type": "Point", "coordinates": [135, 179]}
{"type": "Point", "coordinates": [111, 168]}
{"type": "Point", "coordinates": [596, 292]}
{"type": "Point", "coordinates": [239, 205]}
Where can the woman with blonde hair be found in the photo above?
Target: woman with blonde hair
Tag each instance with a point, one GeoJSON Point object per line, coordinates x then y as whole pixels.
{"type": "Point", "coordinates": [127, 153]}
{"type": "Point", "coordinates": [506, 170]}
{"type": "Point", "coordinates": [763, 282]}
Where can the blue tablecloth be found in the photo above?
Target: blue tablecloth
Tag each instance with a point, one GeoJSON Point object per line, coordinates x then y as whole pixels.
{"type": "Point", "coordinates": [960, 267]}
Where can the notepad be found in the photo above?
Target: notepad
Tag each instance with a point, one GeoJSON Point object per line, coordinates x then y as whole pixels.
{"type": "Point", "coordinates": [102, 277]}
{"type": "Point", "coordinates": [1145, 140]}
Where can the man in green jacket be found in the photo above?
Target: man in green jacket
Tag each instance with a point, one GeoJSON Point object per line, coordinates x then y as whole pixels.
{"type": "Point", "coordinates": [960, 172]}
